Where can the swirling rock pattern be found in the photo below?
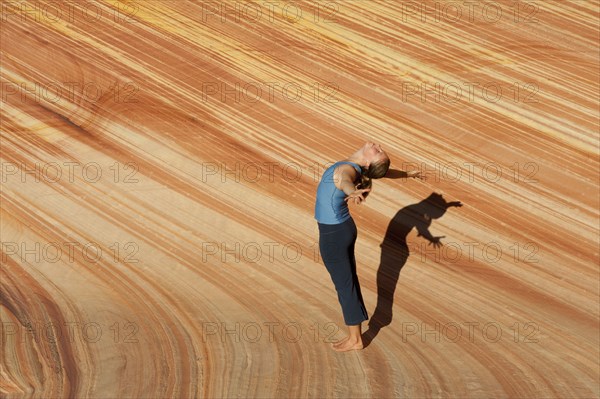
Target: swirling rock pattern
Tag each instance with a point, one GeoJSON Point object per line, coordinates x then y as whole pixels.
{"type": "Point", "coordinates": [159, 166]}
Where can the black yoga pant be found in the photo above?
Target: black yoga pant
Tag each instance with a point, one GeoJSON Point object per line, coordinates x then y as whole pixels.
{"type": "Point", "coordinates": [336, 243]}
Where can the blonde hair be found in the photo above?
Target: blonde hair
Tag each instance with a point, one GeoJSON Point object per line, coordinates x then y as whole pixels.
{"type": "Point", "coordinates": [376, 170]}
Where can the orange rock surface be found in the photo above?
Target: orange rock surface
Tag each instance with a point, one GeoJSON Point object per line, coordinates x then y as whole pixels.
{"type": "Point", "coordinates": [159, 167]}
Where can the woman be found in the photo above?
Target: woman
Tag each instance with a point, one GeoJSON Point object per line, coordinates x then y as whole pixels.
{"type": "Point", "coordinates": [347, 180]}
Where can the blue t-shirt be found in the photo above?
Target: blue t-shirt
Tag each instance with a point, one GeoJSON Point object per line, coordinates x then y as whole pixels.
{"type": "Point", "coordinates": [330, 207]}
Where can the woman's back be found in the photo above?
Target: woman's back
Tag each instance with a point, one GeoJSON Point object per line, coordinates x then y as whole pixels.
{"type": "Point", "coordinates": [330, 207]}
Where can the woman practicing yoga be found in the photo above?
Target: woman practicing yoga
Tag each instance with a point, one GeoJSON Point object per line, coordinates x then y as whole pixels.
{"type": "Point", "coordinates": [347, 180]}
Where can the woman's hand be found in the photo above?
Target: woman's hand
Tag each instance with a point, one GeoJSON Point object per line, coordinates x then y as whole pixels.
{"type": "Point", "coordinates": [415, 174]}
{"type": "Point", "coordinates": [357, 196]}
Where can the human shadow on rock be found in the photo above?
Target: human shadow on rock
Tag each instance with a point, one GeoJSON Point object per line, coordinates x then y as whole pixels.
{"type": "Point", "coordinates": [395, 252]}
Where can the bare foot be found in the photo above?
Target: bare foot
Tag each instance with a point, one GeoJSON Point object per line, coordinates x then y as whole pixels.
{"type": "Point", "coordinates": [348, 344]}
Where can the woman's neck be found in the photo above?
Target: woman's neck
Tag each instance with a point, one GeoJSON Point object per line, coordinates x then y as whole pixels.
{"type": "Point", "coordinates": [357, 160]}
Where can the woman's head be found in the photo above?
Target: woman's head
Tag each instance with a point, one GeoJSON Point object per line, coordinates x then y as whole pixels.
{"type": "Point", "coordinates": [377, 163]}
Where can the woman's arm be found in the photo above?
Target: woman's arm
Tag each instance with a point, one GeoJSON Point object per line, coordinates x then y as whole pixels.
{"type": "Point", "coordinates": [402, 174]}
{"type": "Point", "coordinates": [344, 177]}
